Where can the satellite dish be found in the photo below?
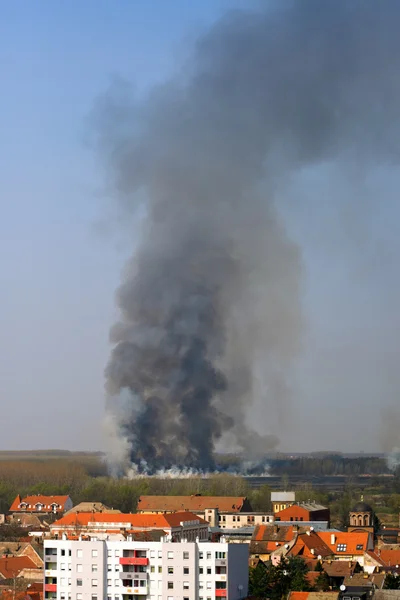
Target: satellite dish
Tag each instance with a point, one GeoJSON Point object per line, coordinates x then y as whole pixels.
{"type": "Point", "coordinates": [342, 588]}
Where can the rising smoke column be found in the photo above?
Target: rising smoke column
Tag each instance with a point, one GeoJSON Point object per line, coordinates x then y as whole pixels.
{"type": "Point", "coordinates": [211, 317]}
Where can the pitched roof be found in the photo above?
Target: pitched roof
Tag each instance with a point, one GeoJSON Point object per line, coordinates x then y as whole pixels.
{"type": "Point", "coordinates": [32, 501]}
{"type": "Point", "coordinates": [313, 595]}
{"type": "Point", "coordinates": [339, 568]}
{"type": "Point", "coordinates": [26, 520]}
{"type": "Point", "coordinates": [310, 545]}
{"type": "Point", "coordinates": [267, 538]}
{"type": "Point", "coordinates": [361, 579]}
{"type": "Point", "coordinates": [274, 533]}
{"type": "Point", "coordinates": [136, 521]}
{"type": "Point", "coordinates": [298, 595]}
{"type": "Point", "coordinates": [346, 542]}
{"type": "Point", "coordinates": [11, 566]}
{"type": "Point", "coordinates": [389, 557]}
{"type": "Point", "coordinates": [192, 503]}
{"type": "Point", "coordinates": [92, 507]}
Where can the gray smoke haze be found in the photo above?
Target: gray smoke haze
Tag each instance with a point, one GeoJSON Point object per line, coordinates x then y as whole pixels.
{"type": "Point", "coordinates": [211, 302]}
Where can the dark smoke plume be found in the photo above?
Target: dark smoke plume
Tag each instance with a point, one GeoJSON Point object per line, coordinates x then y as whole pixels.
{"type": "Point", "coordinates": [211, 315]}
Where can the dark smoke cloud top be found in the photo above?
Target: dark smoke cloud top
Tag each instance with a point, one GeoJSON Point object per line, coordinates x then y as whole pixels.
{"type": "Point", "coordinates": [210, 303]}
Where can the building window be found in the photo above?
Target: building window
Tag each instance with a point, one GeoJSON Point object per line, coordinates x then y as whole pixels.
{"type": "Point", "coordinates": [94, 553]}
{"type": "Point", "coordinates": [109, 582]}
{"type": "Point", "coordinates": [209, 585]}
{"type": "Point", "coordinates": [94, 582]}
{"type": "Point", "coordinates": [208, 570]}
{"type": "Point", "coordinates": [208, 555]}
{"type": "Point", "coordinates": [359, 547]}
{"type": "Point", "coordinates": [220, 555]}
{"type": "Point", "coordinates": [94, 596]}
{"type": "Point", "coordinates": [341, 548]}
{"type": "Point", "coordinates": [152, 554]}
{"type": "Point", "coordinates": [63, 581]}
{"type": "Point", "coordinates": [200, 585]}
{"type": "Point", "coordinates": [170, 555]}
{"type": "Point", "coordinates": [62, 596]}
{"type": "Point", "coordinates": [94, 568]}
{"type": "Point", "coordinates": [116, 568]}
{"type": "Point", "coordinates": [79, 554]}
{"type": "Point", "coordinates": [109, 568]}
{"type": "Point", "coordinates": [186, 570]}
{"type": "Point", "coordinates": [160, 554]}
{"type": "Point", "coordinates": [79, 582]}
{"type": "Point", "coordinates": [62, 552]}
{"type": "Point", "coordinates": [62, 566]}
{"type": "Point", "coordinates": [152, 569]}
{"type": "Point", "coordinates": [116, 554]}
{"type": "Point", "coordinates": [79, 568]}
{"type": "Point", "coordinates": [170, 570]}
{"type": "Point", "coordinates": [170, 585]}
{"type": "Point", "coordinates": [109, 553]}
{"type": "Point", "coordinates": [79, 597]}
{"type": "Point", "coordinates": [186, 555]}
{"type": "Point", "coordinates": [185, 585]}
{"type": "Point", "coordinates": [201, 570]}
{"type": "Point", "coordinates": [116, 582]}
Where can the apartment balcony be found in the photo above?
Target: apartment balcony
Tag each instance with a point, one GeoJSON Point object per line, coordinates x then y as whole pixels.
{"type": "Point", "coordinates": [132, 575]}
{"type": "Point", "coordinates": [220, 577]}
{"type": "Point", "coordinates": [142, 590]}
{"type": "Point", "coordinates": [221, 562]}
{"type": "Point", "coordinates": [221, 593]}
{"type": "Point", "coordinates": [133, 560]}
{"type": "Point", "coordinates": [50, 587]}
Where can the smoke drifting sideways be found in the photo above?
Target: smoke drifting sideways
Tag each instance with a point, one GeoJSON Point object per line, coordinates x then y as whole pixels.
{"type": "Point", "coordinates": [211, 317]}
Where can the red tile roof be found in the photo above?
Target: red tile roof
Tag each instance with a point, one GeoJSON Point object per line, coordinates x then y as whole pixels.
{"type": "Point", "coordinates": [355, 542]}
{"type": "Point", "coordinates": [389, 558]}
{"type": "Point", "coordinates": [32, 501]}
{"type": "Point", "coordinates": [136, 521]}
{"type": "Point", "coordinates": [298, 595]}
{"type": "Point", "coordinates": [310, 545]}
{"type": "Point", "coordinates": [11, 566]}
{"type": "Point", "coordinates": [192, 503]}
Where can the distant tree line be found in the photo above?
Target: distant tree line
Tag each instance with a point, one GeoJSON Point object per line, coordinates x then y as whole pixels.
{"type": "Point", "coordinates": [328, 465]}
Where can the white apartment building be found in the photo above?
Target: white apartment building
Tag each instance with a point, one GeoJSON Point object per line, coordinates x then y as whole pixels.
{"type": "Point", "coordinates": [112, 569]}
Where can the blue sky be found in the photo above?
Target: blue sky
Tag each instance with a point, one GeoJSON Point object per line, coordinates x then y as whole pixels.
{"type": "Point", "coordinates": [58, 273]}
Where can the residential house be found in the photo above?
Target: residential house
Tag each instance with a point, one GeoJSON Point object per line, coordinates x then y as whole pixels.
{"type": "Point", "coordinates": [22, 549]}
{"type": "Point", "coordinates": [179, 525]}
{"type": "Point", "coordinates": [210, 508]}
{"type": "Point", "coordinates": [282, 500]}
{"type": "Point", "coordinates": [304, 512]}
{"type": "Point", "coordinates": [91, 507]}
{"type": "Point", "coordinates": [338, 570]}
{"type": "Point", "coordinates": [306, 544]}
{"type": "Point", "coordinates": [268, 538]}
{"type": "Point", "coordinates": [12, 567]}
{"type": "Point", "coordinates": [41, 504]}
{"type": "Point", "coordinates": [350, 546]}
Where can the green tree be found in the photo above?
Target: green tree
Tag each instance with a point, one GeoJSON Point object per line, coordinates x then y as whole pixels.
{"type": "Point", "coordinates": [322, 582]}
{"type": "Point", "coordinates": [258, 581]}
{"type": "Point", "coordinates": [392, 581]}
